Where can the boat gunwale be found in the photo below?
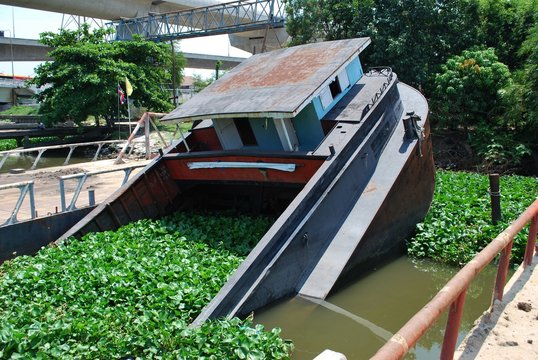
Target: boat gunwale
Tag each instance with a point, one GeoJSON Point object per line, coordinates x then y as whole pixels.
{"type": "Point", "coordinates": [241, 153]}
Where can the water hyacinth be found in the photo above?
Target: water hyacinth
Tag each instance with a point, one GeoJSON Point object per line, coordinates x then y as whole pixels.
{"type": "Point", "coordinates": [131, 293]}
{"type": "Point", "coordinates": [458, 225]}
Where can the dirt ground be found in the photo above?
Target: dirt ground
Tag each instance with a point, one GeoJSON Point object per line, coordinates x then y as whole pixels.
{"type": "Point", "coordinates": [510, 331]}
{"type": "Point", "coordinates": [47, 186]}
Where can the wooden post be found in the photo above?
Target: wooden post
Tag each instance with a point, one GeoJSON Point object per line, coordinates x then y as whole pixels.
{"type": "Point", "coordinates": [146, 137]}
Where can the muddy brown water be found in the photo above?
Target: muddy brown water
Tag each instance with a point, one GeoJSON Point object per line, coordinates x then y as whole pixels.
{"type": "Point", "coordinates": [359, 319]}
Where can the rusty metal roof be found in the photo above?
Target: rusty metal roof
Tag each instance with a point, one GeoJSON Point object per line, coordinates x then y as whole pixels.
{"type": "Point", "coordinates": [275, 84]}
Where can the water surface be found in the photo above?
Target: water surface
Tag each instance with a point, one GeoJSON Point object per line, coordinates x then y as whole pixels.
{"type": "Point", "coordinates": [359, 319]}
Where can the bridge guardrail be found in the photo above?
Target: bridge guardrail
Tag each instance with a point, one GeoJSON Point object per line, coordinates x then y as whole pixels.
{"type": "Point", "coordinates": [25, 187]}
{"type": "Point", "coordinates": [453, 293]}
{"type": "Point", "coordinates": [82, 177]}
{"type": "Point", "coordinates": [41, 150]}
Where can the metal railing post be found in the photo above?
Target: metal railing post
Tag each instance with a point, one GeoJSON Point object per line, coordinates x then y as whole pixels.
{"type": "Point", "coordinates": [78, 189]}
{"type": "Point", "coordinates": [91, 196]}
{"type": "Point", "coordinates": [62, 194]}
{"type": "Point", "coordinates": [33, 212]}
{"type": "Point", "coordinates": [531, 242]}
{"type": "Point", "coordinates": [502, 272]}
{"type": "Point", "coordinates": [452, 327]}
{"type": "Point", "coordinates": [41, 151]}
{"type": "Point", "coordinates": [99, 147]}
{"type": "Point", "coordinates": [495, 194]}
{"type": "Point", "coordinates": [4, 158]}
{"type": "Point", "coordinates": [71, 149]}
{"type": "Point", "coordinates": [127, 173]}
{"type": "Point", "coordinates": [146, 137]}
{"type": "Point", "coordinates": [24, 188]}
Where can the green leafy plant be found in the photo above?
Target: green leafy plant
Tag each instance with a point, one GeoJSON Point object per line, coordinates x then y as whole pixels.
{"type": "Point", "coordinates": [459, 224]}
{"type": "Point", "coordinates": [467, 88]}
{"type": "Point", "coordinates": [500, 151]}
{"type": "Point", "coordinates": [128, 294]}
{"type": "Point", "coordinates": [21, 110]}
{"type": "Point", "coordinates": [8, 144]}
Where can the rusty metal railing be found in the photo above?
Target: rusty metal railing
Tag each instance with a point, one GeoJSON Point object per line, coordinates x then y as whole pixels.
{"type": "Point", "coordinates": [453, 294]}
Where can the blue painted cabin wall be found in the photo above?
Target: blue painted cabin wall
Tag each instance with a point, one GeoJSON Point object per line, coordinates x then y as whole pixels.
{"type": "Point", "coordinates": [307, 122]}
{"type": "Point", "coordinates": [308, 128]}
{"type": "Point", "coordinates": [354, 73]}
{"type": "Point", "coordinates": [266, 134]}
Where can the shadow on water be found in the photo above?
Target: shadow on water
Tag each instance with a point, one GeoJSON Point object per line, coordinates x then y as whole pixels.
{"type": "Point", "coordinates": [357, 320]}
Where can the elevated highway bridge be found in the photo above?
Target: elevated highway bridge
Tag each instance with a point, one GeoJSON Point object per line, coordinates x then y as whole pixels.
{"type": "Point", "coordinates": [31, 50]}
{"type": "Point", "coordinates": [252, 17]}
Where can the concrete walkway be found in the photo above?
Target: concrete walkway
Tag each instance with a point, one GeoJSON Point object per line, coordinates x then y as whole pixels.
{"type": "Point", "coordinates": [510, 331]}
{"type": "Point", "coordinates": [47, 188]}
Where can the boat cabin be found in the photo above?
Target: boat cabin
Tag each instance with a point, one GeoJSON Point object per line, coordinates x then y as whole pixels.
{"type": "Point", "coordinates": [264, 130]}
{"type": "Point", "coordinates": [275, 101]}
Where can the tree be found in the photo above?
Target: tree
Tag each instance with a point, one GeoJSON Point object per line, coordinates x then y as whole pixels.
{"type": "Point", "coordinates": [522, 96]}
{"type": "Point", "coordinates": [82, 80]}
{"type": "Point", "coordinates": [199, 83]}
{"type": "Point", "coordinates": [468, 88]}
{"type": "Point", "coordinates": [412, 36]}
{"type": "Point", "coordinates": [503, 25]}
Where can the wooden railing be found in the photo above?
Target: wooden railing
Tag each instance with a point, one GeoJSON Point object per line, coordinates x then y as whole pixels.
{"type": "Point", "coordinates": [452, 295]}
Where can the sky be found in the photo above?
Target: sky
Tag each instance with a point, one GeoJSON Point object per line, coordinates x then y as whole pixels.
{"type": "Point", "coordinates": [28, 23]}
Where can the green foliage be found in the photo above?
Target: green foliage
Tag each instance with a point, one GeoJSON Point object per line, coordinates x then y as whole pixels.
{"type": "Point", "coordinates": [411, 36]}
{"type": "Point", "coordinates": [127, 294]}
{"type": "Point", "coordinates": [241, 232]}
{"type": "Point", "coordinates": [8, 144]}
{"type": "Point", "coordinates": [200, 83]}
{"type": "Point", "coordinates": [458, 224]}
{"type": "Point", "coordinates": [500, 150]}
{"type": "Point", "coordinates": [21, 110]}
{"type": "Point", "coordinates": [86, 71]}
{"type": "Point", "coordinates": [468, 88]}
{"type": "Point", "coordinates": [522, 96]}
{"type": "Point", "coordinates": [503, 25]}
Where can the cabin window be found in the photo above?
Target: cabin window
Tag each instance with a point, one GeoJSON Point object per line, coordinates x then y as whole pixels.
{"type": "Point", "coordinates": [245, 132]}
{"type": "Point", "coordinates": [335, 88]}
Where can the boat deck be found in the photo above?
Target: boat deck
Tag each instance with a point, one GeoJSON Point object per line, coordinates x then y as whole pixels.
{"type": "Point", "coordinates": [352, 105]}
{"type": "Point", "coordinates": [347, 113]}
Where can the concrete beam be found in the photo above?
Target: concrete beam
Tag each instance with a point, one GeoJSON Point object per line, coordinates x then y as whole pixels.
{"type": "Point", "coordinates": [202, 61]}
{"type": "Point", "coordinates": [14, 49]}
{"type": "Point", "coordinates": [31, 50]}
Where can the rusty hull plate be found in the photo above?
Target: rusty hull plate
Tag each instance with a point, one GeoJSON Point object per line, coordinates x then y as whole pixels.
{"type": "Point", "coordinates": [274, 84]}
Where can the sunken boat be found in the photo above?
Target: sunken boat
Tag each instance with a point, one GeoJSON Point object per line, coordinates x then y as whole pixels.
{"type": "Point", "coordinates": [343, 157]}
